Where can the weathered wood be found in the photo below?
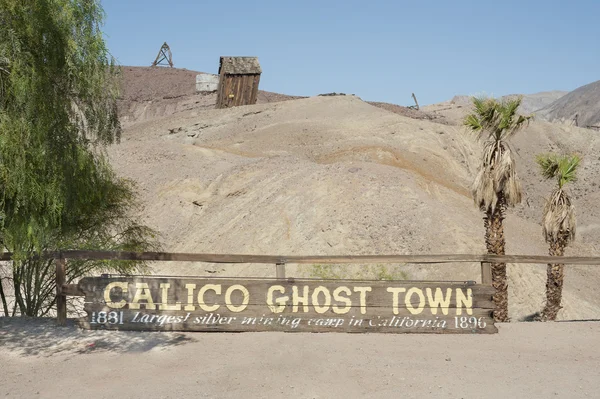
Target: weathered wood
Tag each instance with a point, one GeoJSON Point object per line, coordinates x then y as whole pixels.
{"type": "Point", "coordinates": [238, 81]}
{"type": "Point", "coordinates": [177, 291]}
{"type": "Point", "coordinates": [416, 102]}
{"type": "Point", "coordinates": [240, 90]}
{"type": "Point", "coordinates": [164, 54]}
{"type": "Point", "coordinates": [486, 273]}
{"type": "Point", "coordinates": [61, 299]}
{"type": "Point", "coordinates": [72, 290]}
{"type": "Point", "coordinates": [195, 304]}
{"type": "Point", "coordinates": [248, 89]}
{"type": "Point", "coordinates": [378, 321]}
{"type": "Point", "coordinates": [220, 91]}
{"type": "Point", "coordinates": [255, 84]}
{"type": "Point", "coordinates": [271, 259]}
{"type": "Point", "coordinates": [280, 270]}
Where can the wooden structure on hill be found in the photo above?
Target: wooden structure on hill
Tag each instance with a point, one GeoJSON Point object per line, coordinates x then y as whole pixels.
{"type": "Point", "coordinates": [238, 81]}
{"type": "Point", "coordinates": [164, 56]}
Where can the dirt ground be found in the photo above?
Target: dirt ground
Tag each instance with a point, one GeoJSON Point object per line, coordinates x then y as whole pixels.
{"type": "Point", "coordinates": [524, 360]}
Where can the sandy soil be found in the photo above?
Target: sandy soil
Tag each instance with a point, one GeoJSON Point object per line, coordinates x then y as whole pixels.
{"type": "Point", "coordinates": [337, 176]}
{"type": "Point", "coordinates": [525, 360]}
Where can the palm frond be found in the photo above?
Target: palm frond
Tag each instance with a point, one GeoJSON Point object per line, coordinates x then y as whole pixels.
{"type": "Point", "coordinates": [559, 220]}
{"type": "Point", "coordinates": [561, 167]}
{"type": "Point", "coordinates": [473, 123]}
{"type": "Point", "coordinates": [498, 119]}
{"type": "Point", "coordinates": [496, 177]}
{"type": "Point", "coordinates": [568, 169]}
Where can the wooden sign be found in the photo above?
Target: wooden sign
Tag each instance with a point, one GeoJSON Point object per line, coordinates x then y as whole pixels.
{"type": "Point", "coordinates": [291, 305]}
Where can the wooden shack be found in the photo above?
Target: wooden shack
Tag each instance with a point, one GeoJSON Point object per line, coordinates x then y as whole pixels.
{"type": "Point", "coordinates": [238, 81]}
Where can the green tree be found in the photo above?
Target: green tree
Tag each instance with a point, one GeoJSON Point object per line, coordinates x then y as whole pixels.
{"type": "Point", "coordinates": [496, 185]}
{"type": "Point", "coordinates": [58, 90]}
{"type": "Point", "coordinates": [559, 223]}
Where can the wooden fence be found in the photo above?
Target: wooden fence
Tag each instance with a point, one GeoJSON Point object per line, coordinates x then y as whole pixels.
{"type": "Point", "coordinates": [63, 290]}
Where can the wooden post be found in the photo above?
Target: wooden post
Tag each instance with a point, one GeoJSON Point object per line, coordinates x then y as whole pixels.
{"type": "Point", "coordinates": [416, 102]}
{"type": "Point", "coordinates": [61, 298]}
{"type": "Point", "coordinates": [280, 270]}
{"type": "Point", "coordinates": [486, 273]}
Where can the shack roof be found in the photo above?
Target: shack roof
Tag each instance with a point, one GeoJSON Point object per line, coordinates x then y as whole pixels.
{"type": "Point", "coordinates": [240, 66]}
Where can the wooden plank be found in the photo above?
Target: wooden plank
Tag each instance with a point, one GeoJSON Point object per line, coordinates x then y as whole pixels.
{"type": "Point", "coordinates": [243, 89]}
{"type": "Point", "coordinates": [280, 270]}
{"type": "Point", "coordinates": [177, 291]}
{"type": "Point", "coordinates": [253, 320]}
{"type": "Point", "coordinates": [72, 290]}
{"type": "Point", "coordinates": [223, 91]}
{"type": "Point", "coordinates": [233, 86]}
{"type": "Point", "coordinates": [231, 82]}
{"type": "Point", "coordinates": [239, 90]}
{"type": "Point", "coordinates": [220, 91]}
{"type": "Point", "coordinates": [254, 96]}
{"type": "Point", "coordinates": [188, 304]}
{"type": "Point", "coordinates": [248, 90]}
{"type": "Point", "coordinates": [486, 273]}
{"type": "Point", "coordinates": [271, 259]}
{"type": "Point", "coordinates": [61, 299]}
{"type": "Point", "coordinates": [226, 89]}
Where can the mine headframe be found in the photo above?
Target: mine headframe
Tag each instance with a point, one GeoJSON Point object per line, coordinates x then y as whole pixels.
{"type": "Point", "coordinates": [164, 56]}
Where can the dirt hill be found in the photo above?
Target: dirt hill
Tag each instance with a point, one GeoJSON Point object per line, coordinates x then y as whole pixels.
{"type": "Point", "coordinates": [152, 93]}
{"type": "Point", "coordinates": [336, 175]}
{"type": "Point", "coordinates": [149, 93]}
{"type": "Point", "coordinates": [531, 103]}
{"type": "Point", "coordinates": [583, 103]}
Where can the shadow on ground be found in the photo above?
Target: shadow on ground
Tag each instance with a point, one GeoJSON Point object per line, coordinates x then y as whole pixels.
{"type": "Point", "coordinates": [42, 337]}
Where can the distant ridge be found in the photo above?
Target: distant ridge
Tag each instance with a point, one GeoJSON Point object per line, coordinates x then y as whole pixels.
{"type": "Point", "coordinates": [582, 104]}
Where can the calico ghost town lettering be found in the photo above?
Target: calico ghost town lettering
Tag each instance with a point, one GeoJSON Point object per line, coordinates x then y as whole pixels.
{"type": "Point", "coordinates": [194, 304]}
{"type": "Point", "coordinates": [321, 299]}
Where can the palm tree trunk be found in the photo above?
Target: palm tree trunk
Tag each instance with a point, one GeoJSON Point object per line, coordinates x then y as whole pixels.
{"type": "Point", "coordinates": [554, 282]}
{"type": "Point", "coordinates": [495, 243]}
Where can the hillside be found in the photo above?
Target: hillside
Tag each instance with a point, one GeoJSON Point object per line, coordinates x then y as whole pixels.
{"type": "Point", "coordinates": [583, 103]}
{"type": "Point", "coordinates": [336, 175]}
{"type": "Point", "coordinates": [530, 103]}
{"type": "Point", "coordinates": [152, 93]}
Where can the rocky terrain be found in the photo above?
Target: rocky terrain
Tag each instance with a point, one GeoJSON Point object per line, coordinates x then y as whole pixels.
{"type": "Point", "coordinates": [581, 107]}
{"type": "Point", "coordinates": [336, 175]}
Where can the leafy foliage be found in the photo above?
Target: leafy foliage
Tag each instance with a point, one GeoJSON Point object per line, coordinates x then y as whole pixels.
{"type": "Point", "coordinates": [496, 119]}
{"type": "Point", "coordinates": [562, 167]}
{"type": "Point", "coordinates": [58, 106]}
{"type": "Point", "coordinates": [58, 90]}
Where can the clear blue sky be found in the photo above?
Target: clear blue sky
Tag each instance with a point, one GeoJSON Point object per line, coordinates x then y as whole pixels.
{"type": "Point", "coordinates": [378, 50]}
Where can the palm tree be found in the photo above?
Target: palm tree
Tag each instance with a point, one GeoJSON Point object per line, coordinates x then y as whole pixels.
{"type": "Point", "coordinates": [558, 224]}
{"type": "Point", "coordinates": [496, 185]}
